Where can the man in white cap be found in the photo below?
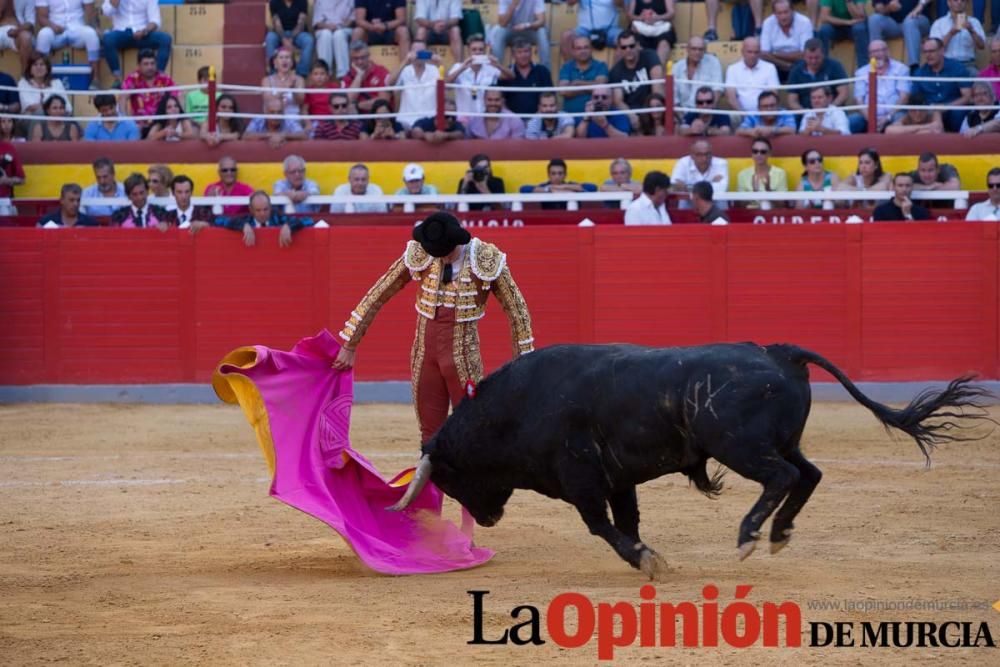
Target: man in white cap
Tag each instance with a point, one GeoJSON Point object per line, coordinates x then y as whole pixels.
{"type": "Point", "coordinates": [413, 179]}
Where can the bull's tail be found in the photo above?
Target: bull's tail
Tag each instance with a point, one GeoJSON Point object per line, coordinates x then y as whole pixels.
{"type": "Point", "coordinates": [933, 417]}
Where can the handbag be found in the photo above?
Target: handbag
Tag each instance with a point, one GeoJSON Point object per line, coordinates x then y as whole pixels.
{"type": "Point", "coordinates": [651, 29]}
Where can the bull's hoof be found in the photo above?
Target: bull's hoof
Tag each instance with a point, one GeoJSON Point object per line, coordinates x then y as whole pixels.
{"type": "Point", "coordinates": [746, 548]}
{"type": "Point", "coordinates": [653, 565]}
{"type": "Point", "coordinates": [778, 545]}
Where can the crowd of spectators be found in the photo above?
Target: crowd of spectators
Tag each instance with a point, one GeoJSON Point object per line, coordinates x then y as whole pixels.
{"type": "Point", "coordinates": [698, 181]}
{"type": "Point", "coordinates": [328, 51]}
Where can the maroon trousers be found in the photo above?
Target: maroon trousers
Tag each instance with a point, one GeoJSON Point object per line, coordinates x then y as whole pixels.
{"type": "Point", "coordinates": [437, 384]}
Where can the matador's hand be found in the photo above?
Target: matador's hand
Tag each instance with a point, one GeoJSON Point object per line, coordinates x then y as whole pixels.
{"type": "Point", "coordinates": [344, 360]}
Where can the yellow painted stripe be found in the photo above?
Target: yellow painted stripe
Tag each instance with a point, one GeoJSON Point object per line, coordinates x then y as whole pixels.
{"type": "Point", "coordinates": [44, 181]}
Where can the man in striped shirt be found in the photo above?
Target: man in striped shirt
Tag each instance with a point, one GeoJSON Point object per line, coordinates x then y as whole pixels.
{"type": "Point", "coordinates": [338, 129]}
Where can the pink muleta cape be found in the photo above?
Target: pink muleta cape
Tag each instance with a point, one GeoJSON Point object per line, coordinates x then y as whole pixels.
{"type": "Point", "coordinates": [300, 410]}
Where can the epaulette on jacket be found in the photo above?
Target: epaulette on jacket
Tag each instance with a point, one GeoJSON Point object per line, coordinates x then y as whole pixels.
{"type": "Point", "coordinates": [416, 258]}
{"type": "Point", "coordinates": [487, 260]}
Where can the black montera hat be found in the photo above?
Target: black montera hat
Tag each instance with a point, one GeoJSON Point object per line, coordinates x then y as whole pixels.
{"type": "Point", "coordinates": [439, 233]}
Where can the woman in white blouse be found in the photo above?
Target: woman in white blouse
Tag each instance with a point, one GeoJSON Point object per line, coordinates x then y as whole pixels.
{"type": "Point", "coordinates": [37, 85]}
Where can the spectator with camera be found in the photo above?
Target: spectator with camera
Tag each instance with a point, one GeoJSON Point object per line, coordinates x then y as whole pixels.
{"type": "Point", "coordinates": [417, 75]}
{"type": "Point", "coordinates": [477, 72]}
{"type": "Point", "coordinates": [597, 21]}
{"type": "Point", "coordinates": [479, 180]}
{"type": "Point", "coordinates": [561, 126]}
{"type": "Point", "coordinates": [504, 125]}
{"type": "Point", "coordinates": [437, 23]}
{"type": "Point", "coordinates": [68, 214]}
{"type": "Point", "coordinates": [596, 125]}
{"type": "Point", "coordinates": [582, 72]}
{"type": "Point", "coordinates": [961, 34]}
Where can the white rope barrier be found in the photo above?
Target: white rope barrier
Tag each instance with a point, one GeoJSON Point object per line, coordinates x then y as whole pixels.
{"type": "Point", "coordinates": [267, 89]}
{"type": "Point", "coordinates": [110, 91]}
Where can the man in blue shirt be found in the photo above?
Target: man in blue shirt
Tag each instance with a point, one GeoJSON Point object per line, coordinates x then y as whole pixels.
{"type": "Point", "coordinates": [106, 186]}
{"type": "Point", "coordinates": [602, 127]}
{"type": "Point", "coordinates": [815, 68]}
{"type": "Point", "coordinates": [110, 129]}
{"type": "Point", "coordinates": [952, 93]}
{"type": "Point", "coordinates": [68, 214]}
{"type": "Point", "coordinates": [583, 70]}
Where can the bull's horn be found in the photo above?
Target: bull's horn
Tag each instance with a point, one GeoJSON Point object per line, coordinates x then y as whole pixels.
{"type": "Point", "coordinates": [420, 478]}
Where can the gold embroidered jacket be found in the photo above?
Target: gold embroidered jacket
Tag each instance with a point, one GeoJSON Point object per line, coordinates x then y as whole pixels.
{"type": "Point", "coordinates": [484, 269]}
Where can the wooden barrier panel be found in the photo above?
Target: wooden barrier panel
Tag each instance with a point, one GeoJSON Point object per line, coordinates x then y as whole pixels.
{"type": "Point", "coordinates": [916, 301]}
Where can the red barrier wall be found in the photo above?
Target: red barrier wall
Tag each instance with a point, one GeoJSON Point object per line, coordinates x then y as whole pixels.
{"type": "Point", "coordinates": [914, 301]}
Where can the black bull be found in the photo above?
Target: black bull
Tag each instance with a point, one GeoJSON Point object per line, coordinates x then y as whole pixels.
{"type": "Point", "coordinates": [587, 423]}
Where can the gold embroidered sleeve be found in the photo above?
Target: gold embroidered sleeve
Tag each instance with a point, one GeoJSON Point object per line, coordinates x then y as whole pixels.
{"type": "Point", "coordinates": [361, 318]}
{"type": "Point", "coordinates": [513, 305]}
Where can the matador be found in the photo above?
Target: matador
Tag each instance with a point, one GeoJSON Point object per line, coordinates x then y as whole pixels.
{"type": "Point", "coordinates": [455, 273]}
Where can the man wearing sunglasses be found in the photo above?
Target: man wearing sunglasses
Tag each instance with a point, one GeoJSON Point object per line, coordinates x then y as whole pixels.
{"type": "Point", "coordinates": [338, 129]}
{"type": "Point", "coordinates": [989, 209]}
{"type": "Point", "coordinates": [698, 124]}
{"type": "Point", "coordinates": [641, 72]}
{"type": "Point", "coordinates": [602, 126]}
{"type": "Point", "coordinates": [229, 186]}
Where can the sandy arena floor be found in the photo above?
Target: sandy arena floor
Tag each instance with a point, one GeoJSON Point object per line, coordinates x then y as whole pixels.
{"type": "Point", "coordinates": [144, 535]}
